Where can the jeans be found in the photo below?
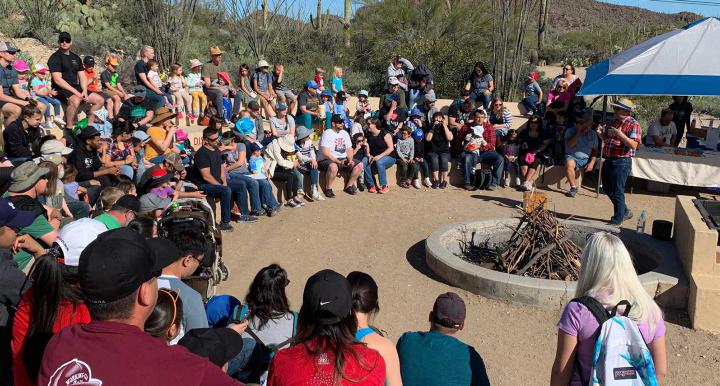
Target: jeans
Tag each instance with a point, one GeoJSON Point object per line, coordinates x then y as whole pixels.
{"type": "Point", "coordinates": [438, 161]}
{"type": "Point", "coordinates": [313, 173]}
{"type": "Point", "coordinates": [127, 170]}
{"type": "Point", "coordinates": [530, 104]}
{"type": "Point", "coordinates": [224, 194]}
{"type": "Point", "coordinates": [514, 165]}
{"type": "Point", "coordinates": [159, 99]}
{"type": "Point", "coordinates": [288, 177]}
{"type": "Point", "coordinates": [422, 167]}
{"type": "Point", "coordinates": [139, 159]}
{"type": "Point", "coordinates": [470, 160]}
{"type": "Point", "coordinates": [239, 191]}
{"type": "Point", "coordinates": [381, 165]}
{"type": "Point", "coordinates": [48, 101]}
{"type": "Point", "coordinates": [260, 191]}
{"type": "Point", "coordinates": [216, 97]}
{"type": "Point", "coordinates": [614, 176]}
{"type": "Point", "coordinates": [478, 96]}
{"type": "Point", "coordinates": [241, 366]}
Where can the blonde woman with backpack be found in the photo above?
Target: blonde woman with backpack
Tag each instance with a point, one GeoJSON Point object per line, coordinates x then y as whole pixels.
{"type": "Point", "coordinates": [607, 275]}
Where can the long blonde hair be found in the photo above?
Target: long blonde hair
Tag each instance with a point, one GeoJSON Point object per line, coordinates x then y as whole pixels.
{"type": "Point", "coordinates": [608, 275]}
{"type": "Point", "coordinates": [143, 50]}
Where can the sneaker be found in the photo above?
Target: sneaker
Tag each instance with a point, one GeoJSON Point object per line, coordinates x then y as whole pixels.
{"type": "Point", "coordinates": [298, 202]}
{"type": "Point", "coordinates": [59, 120]}
{"type": "Point", "coordinates": [506, 183]}
{"type": "Point", "coordinates": [274, 211]}
{"type": "Point", "coordinates": [573, 192]}
{"type": "Point", "coordinates": [517, 181]}
{"type": "Point", "coordinates": [351, 190]}
{"type": "Point", "coordinates": [225, 227]}
{"type": "Point", "coordinates": [426, 182]}
{"type": "Point", "coordinates": [316, 196]}
{"type": "Point", "coordinates": [292, 203]}
{"type": "Point", "coordinates": [235, 212]}
{"type": "Point", "coordinates": [416, 183]}
{"type": "Point", "coordinates": [246, 218]}
{"type": "Point", "coordinates": [300, 192]}
{"type": "Point", "coordinates": [403, 184]}
{"type": "Point", "coordinates": [261, 212]}
{"type": "Point", "coordinates": [361, 186]}
{"type": "Point", "coordinates": [628, 214]}
{"type": "Point", "coordinates": [468, 186]}
{"type": "Point", "coordinates": [329, 193]}
{"type": "Point", "coordinates": [180, 115]}
{"type": "Point", "coordinates": [384, 190]}
{"type": "Point", "coordinates": [492, 187]}
{"type": "Point", "coordinates": [435, 185]}
{"type": "Point", "coordinates": [372, 189]}
{"type": "Point", "coordinates": [443, 185]}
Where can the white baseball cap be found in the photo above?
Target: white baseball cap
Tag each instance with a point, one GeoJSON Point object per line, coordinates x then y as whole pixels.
{"type": "Point", "coordinates": [75, 236]}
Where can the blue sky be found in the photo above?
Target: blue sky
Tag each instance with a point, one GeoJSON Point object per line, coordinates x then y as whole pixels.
{"type": "Point", "coordinates": [666, 6]}
{"type": "Point", "coordinates": [702, 7]}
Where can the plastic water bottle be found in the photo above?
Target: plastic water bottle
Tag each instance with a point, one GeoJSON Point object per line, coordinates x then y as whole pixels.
{"type": "Point", "coordinates": [641, 222]}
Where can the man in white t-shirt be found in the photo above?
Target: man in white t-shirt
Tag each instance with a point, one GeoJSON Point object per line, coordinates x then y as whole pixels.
{"type": "Point", "coordinates": [336, 154]}
{"type": "Point", "coordinates": [663, 131]}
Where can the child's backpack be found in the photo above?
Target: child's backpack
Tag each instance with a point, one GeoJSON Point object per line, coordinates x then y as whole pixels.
{"type": "Point", "coordinates": [621, 356]}
{"type": "Point", "coordinates": [483, 177]}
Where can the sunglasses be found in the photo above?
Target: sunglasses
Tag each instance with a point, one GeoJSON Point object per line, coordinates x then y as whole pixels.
{"type": "Point", "coordinates": [64, 41]}
{"type": "Point", "coordinates": [567, 69]}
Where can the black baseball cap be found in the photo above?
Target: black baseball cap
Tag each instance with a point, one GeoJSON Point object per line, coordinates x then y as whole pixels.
{"type": "Point", "coordinates": [449, 310]}
{"type": "Point", "coordinates": [337, 118]}
{"type": "Point", "coordinates": [219, 345]}
{"type": "Point", "coordinates": [253, 105]}
{"type": "Point", "coordinates": [64, 36]}
{"type": "Point", "coordinates": [88, 132]}
{"type": "Point", "coordinates": [116, 264]}
{"type": "Point", "coordinates": [89, 60]}
{"type": "Point", "coordinates": [328, 294]}
{"type": "Point", "coordinates": [128, 202]}
{"type": "Point", "coordinates": [11, 217]}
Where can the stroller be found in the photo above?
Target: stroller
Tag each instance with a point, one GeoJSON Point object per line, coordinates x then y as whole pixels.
{"type": "Point", "coordinates": [193, 213]}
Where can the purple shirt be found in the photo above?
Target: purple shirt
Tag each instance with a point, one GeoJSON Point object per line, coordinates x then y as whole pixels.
{"type": "Point", "coordinates": [578, 321]}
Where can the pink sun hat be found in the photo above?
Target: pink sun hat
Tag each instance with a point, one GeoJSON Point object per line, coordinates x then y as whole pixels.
{"type": "Point", "coordinates": [181, 135]}
{"type": "Point", "coordinates": [21, 66]}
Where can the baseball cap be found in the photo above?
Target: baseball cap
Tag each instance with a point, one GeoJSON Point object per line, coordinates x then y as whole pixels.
{"type": "Point", "coordinates": [219, 345]}
{"type": "Point", "coordinates": [128, 202]}
{"type": "Point", "coordinates": [449, 310]}
{"type": "Point", "coordinates": [165, 251]}
{"type": "Point", "coordinates": [20, 66]}
{"type": "Point", "coordinates": [281, 106]}
{"type": "Point", "coordinates": [176, 161]}
{"type": "Point", "coordinates": [11, 217]}
{"type": "Point", "coordinates": [363, 93]}
{"type": "Point", "coordinates": [309, 84]}
{"type": "Point", "coordinates": [54, 146]}
{"type": "Point", "coordinates": [151, 201]}
{"type": "Point", "coordinates": [40, 68]}
{"type": "Point", "coordinates": [9, 47]}
{"type": "Point", "coordinates": [74, 237]}
{"type": "Point", "coordinates": [327, 293]}
{"type": "Point", "coordinates": [253, 105]}
{"type": "Point", "coordinates": [430, 96]}
{"type": "Point", "coordinates": [254, 147]}
{"type": "Point", "coordinates": [415, 112]}
{"type": "Point", "coordinates": [88, 132]}
{"type": "Point", "coordinates": [139, 91]}
{"type": "Point", "coordinates": [115, 265]}
{"type": "Point", "coordinates": [326, 93]}
{"type": "Point", "coordinates": [64, 36]}
{"type": "Point", "coordinates": [26, 176]}
{"type": "Point", "coordinates": [141, 135]}
{"type": "Point", "coordinates": [89, 60]}
{"type": "Point", "coordinates": [393, 80]}
{"type": "Point", "coordinates": [219, 309]}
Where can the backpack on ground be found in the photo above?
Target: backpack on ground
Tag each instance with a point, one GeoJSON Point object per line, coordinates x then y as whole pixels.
{"type": "Point", "coordinates": [483, 178]}
{"type": "Point", "coordinates": [621, 356]}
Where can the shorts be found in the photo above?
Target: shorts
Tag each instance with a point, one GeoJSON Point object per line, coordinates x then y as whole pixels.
{"type": "Point", "coordinates": [63, 95]}
{"type": "Point", "coordinates": [288, 94]}
{"type": "Point", "coordinates": [324, 164]}
{"type": "Point", "coordinates": [102, 94]}
{"type": "Point", "coordinates": [579, 163]}
{"type": "Point", "coordinates": [109, 93]}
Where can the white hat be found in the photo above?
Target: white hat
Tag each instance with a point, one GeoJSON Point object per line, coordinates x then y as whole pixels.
{"type": "Point", "coordinates": [262, 63]}
{"type": "Point", "coordinates": [478, 130]}
{"type": "Point", "coordinates": [54, 146]}
{"type": "Point", "coordinates": [363, 93]}
{"type": "Point", "coordinates": [393, 80]}
{"type": "Point", "coordinates": [101, 114]}
{"type": "Point", "coordinates": [75, 236]}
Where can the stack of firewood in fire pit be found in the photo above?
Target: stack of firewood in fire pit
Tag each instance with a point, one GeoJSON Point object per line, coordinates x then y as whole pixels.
{"type": "Point", "coordinates": [539, 247]}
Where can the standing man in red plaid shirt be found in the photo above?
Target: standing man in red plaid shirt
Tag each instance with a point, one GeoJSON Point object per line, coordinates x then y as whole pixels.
{"type": "Point", "coordinates": [620, 140]}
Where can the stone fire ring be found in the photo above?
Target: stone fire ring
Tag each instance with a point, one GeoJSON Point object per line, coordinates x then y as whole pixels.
{"type": "Point", "coordinates": [441, 259]}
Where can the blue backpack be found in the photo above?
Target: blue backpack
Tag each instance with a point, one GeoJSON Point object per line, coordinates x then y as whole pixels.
{"type": "Point", "coordinates": [621, 356]}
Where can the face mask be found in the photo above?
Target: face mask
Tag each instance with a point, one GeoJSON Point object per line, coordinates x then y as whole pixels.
{"type": "Point", "coordinates": [61, 173]}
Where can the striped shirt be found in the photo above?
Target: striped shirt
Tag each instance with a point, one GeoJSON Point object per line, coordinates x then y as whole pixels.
{"type": "Point", "coordinates": [505, 119]}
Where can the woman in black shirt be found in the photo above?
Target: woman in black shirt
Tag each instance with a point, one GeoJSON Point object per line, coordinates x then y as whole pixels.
{"type": "Point", "coordinates": [380, 148]}
{"type": "Point", "coordinates": [682, 109]}
{"type": "Point", "coordinates": [438, 154]}
{"type": "Point", "coordinates": [532, 141]}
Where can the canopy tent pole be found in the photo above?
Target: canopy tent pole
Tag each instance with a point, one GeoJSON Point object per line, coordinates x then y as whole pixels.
{"type": "Point", "coordinates": [604, 121]}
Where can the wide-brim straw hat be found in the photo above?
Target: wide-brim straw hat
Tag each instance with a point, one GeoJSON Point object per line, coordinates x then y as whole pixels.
{"type": "Point", "coordinates": [215, 50]}
{"type": "Point", "coordinates": [624, 104]}
{"type": "Point", "coordinates": [287, 143]}
{"type": "Point", "coordinates": [195, 63]}
{"type": "Point", "coordinates": [163, 114]}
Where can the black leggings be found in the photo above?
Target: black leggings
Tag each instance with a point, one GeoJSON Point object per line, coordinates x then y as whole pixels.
{"type": "Point", "coordinates": [288, 177]}
{"type": "Point", "coordinates": [438, 161]}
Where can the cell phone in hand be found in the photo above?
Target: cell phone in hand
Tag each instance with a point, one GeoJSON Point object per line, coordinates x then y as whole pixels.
{"type": "Point", "coordinates": [240, 313]}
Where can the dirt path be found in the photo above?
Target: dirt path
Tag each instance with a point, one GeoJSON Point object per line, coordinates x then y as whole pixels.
{"type": "Point", "coordinates": [384, 236]}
